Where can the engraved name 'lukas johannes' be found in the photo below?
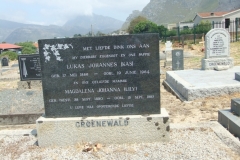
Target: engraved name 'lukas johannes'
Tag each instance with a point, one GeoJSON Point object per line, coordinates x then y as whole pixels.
{"type": "Point", "coordinates": [100, 65]}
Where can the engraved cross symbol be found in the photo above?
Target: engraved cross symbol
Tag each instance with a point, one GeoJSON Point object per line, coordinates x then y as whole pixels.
{"type": "Point", "coordinates": [24, 67]}
{"type": "Point", "coordinates": [177, 64]}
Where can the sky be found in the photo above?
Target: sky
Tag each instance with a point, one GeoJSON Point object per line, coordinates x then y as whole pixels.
{"type": "Point", "coordinates": [57, 12]}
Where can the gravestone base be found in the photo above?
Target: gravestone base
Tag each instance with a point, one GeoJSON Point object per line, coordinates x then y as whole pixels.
{"type": "Point", "coordinates": [217, 63]}
{"type": "Point", "coordinates": [103, 129]}
{"type": "Point", "coordinates": [230, 121]}
{"type": "Point", "coordinates": [168, 63]}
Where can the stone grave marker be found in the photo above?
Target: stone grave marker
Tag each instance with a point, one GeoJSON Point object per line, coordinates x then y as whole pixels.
{"type": "Point", "coordinates": [95, 86]}
{"type": "Point", "coordinates": [4, 61]}
{"type": "Point", "coordinates": [100, 76]}
{"type": "Point", "coordinates": [230, 118]}
{"type": "Point", "coordinates": [235, 106]}
{"type": "Point", "coordinates": [177, 59]}
{"type": "Point", "coordinates": [168, 52]}
{"type": "Point", "coordinates": [29, 67]}
{"type": "Point", "coordinates": [217, 50]}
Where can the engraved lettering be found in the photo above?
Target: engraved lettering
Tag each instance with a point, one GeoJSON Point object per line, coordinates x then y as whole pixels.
{"type": "Point", "coordinates": [144, 54]}
{"type": "Point", "coordinates": [105, 90]}
{"type": "Point", "coordinates": [144, 46]}
{"type": "Point", "coordinates": [127, 105]}
{"type": "Point", "coordinates": [75, 66]}
{"type": "Point", "coordinates": [102, 65]}
{"type": "Point", "coordinates": [129, 89]}
{"type": "Point", "coordinates": [102, 47]}
{"type": "Point", "coordinates": [108, 56]}
{"type": "Point", "coordinates": [131, 72]}
{"type": "Point", "coordinates": [127, 64]}
{"type": "Point", "coordinates": [87, 48]}
{"type": "Point", "coordinates": [76, 91]}
{"type": "Point", "coordinates": [73, 74]}
{"type": "Point", "coordinates": [118, 46]}
{"type": "Point", "coordinates": [119, 81]}
{"type": "Point", "coordinates": [64, 100]}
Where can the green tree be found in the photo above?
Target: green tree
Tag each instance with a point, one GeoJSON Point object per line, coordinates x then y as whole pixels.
{"type": "Point", "coordinates": [10, 54]}
{"type": "Point", "coordinates": [171, 33]}
{"type": "Point", "coordinates": [145, 26]}
{"type": "Point", "coordinates": [134, 22]}
{"type": "Point", "coordinates": [186, 31]}
{"type": "Point", "coordinates": [77, 35]}
{"type": "Point", "coordinates": [27, 47]}
{"type": "Point", "coordinates": [162, 30]}
{"type": "Point", "coordinates": [203, 27]}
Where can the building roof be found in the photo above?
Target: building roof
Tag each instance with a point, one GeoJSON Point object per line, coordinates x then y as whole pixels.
{"type": "Point", "coordinates": [215, 14]}
{"type": "Point", "coordinates": [4, 46]}
{"type": "Point", "coordinates": [35, 44]}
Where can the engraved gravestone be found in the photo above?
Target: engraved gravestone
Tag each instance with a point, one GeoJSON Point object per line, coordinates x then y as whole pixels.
{"type": "Point", "coordinates": [217, 51]}
{"type": "Point", "coordinates": [177, 59]}
{"type": "Point", "coordinates": [4, 61]}
{"type": "Point", "coordinates": [101, 76]}
{"type": "Point", "coordinates": [29, 67]}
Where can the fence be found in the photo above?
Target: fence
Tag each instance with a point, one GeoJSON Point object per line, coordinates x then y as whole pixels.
{"type": "Point", "coordinates": [197, 32]}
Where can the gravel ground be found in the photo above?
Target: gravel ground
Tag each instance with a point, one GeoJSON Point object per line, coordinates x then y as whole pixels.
{"type": "Point", "coordinates": [13, 101]}
{"type": "Point", "coordinates": [206, 141]}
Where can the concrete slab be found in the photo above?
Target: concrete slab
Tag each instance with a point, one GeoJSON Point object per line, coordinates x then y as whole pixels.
{"type": "Point", "coordinates": [194, 84]}
{"type": "Point", "coordinates": [104, 129]}
{"type": "Point", "coordinates": [229, 121]}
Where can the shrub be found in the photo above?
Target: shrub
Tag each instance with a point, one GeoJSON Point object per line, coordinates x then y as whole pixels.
{"type": "Point", "coordinates": [10, 54]}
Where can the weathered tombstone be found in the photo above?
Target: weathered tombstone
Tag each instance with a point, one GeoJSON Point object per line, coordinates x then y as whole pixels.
{"type": "Point", "coordinates": [4, 61]}
{"type": "Point", "coordinates": [29, 67]}
{"type": "Point", "coordinates": [99, 85]}
{"type": "Point", "coordinates": [168, 51]}
{"type": "Point", "coordinates": [217, 50]}
{"type": "Point", "coordinates": [235, 106]}
{"type": "Point", "coordinates": [230, 119]}
{"type": "Point", "coordinates": [177, 59]}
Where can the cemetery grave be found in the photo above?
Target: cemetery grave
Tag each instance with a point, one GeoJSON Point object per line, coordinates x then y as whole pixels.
{"type": "Point", "coordinates": [200, 110]}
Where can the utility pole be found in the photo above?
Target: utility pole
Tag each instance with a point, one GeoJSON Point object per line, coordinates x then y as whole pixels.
{"type": "Point", "coordinates": [91, 30]}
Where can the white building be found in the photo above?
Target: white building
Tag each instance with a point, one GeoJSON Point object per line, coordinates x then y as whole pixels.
{"type": "Point", "coordinates": [220, 19]}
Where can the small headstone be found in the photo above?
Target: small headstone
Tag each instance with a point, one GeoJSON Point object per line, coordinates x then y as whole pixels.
{"type": "Point", "coordinates": [101, 76]}
{"type": "Point", "coordinates": [168, 46]}
{"type": "Point", "coordinates": [29, 67]}
{"type": "Point", "coordinates": [168, 52]}
{"type": "Point", "coordinates": [235, 106]}
{"type": "Point", "coordinates": [217, 50]}
{"type": "Point", "coordinates": [4, 61]}
{"type": "Point", "coordinates": [177, 59]}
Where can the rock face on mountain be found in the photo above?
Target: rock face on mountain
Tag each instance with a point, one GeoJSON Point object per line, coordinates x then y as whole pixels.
{"type": "Point", "coordinates": [163, 12]}
{"type": "Point", "coordinates": [13, 32]}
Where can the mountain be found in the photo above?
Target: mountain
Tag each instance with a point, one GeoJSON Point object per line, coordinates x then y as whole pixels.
{"type": "Point", "coordinates": [13, 32]}
{"type": "Point", "coordinates": [95, 22]}
{"type": "Point", "coordinates": [163, 12]}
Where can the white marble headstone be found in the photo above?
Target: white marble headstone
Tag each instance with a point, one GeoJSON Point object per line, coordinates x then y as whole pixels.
{"type": "Point", "coordinates": [217, 42]}
{"type": "Point", "coordinates": [168, 46]}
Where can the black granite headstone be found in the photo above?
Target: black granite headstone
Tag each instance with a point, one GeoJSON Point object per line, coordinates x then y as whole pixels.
{"type": "Point", "coordinates": [101, 76]}
{"type": "Point", "coordinates": [237, 76]}
{"type": "Point", "coordinates": [177, 59]}
{"type": "Point", "coordinates": [235, 106]}
{"type": "Point", "coordinates": [29, 67]}
{"type": "Point", "coordinates": [4, 61]}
